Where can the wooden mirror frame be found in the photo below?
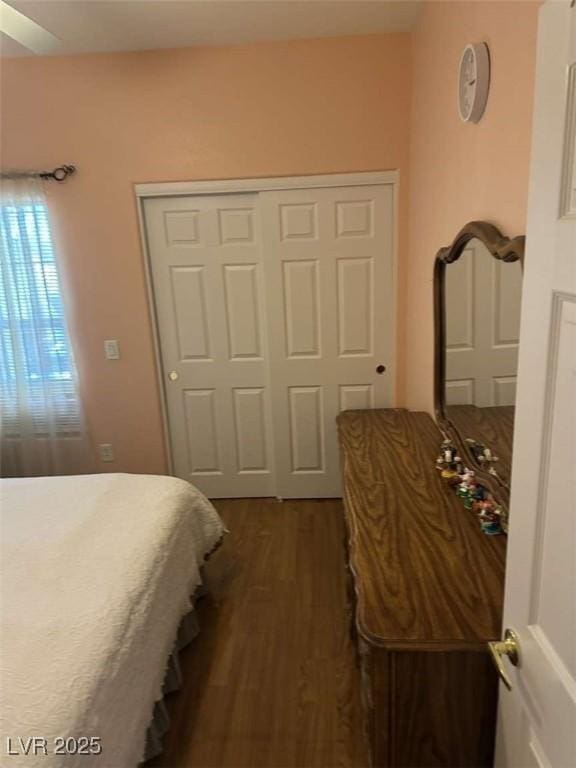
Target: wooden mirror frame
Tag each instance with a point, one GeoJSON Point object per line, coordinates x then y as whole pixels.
{"type": "Point", "coordinates": [503, 249]}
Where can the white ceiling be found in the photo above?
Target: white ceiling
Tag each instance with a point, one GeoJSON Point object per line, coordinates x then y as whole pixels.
{"type": "Point", "coordinates": [86, 26]}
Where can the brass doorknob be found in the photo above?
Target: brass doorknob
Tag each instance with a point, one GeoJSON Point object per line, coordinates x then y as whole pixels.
{"type": "Point", "coordinates": [173, 375]}
{"type": "Point", "coordinates": [509, 647]}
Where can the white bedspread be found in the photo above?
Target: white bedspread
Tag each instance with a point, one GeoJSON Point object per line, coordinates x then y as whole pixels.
{"type": "Point", "coordinates": [96, 574]}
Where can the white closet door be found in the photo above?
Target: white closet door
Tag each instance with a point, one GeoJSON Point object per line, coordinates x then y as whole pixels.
{"type": "Point", "coordinates": [274, 310]}
{"type": "Point", "coordinates": [329, 276]}
{"type": "Point", "coordinates": [205, 255]}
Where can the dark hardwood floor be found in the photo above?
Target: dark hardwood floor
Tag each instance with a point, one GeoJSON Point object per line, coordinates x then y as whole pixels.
{"type": "Point", "coordinates": [272, 680]}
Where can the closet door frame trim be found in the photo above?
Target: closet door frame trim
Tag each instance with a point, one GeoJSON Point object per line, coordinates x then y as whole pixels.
{"type": "Point", "coordinates": [263, 184]}
{"type": "Point", "coordinates": [227, 186]}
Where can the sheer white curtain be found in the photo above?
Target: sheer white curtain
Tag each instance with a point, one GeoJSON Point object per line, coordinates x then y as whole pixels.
{"type": "Point", "coordinates": [41, 421]}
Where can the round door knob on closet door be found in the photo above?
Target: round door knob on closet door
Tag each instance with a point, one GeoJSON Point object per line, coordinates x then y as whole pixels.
{"type": "Point", "coordinates": [380, 369]}
{"type": "Point", "coordinates": [173, 375]}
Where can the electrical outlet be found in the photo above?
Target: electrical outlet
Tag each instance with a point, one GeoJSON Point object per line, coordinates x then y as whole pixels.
{"type": "Point", "coordinates": [106, 452]}
{"type": "Point", "coordinates": [111, 349]}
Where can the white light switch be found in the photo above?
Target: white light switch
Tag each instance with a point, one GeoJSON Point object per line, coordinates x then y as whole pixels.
{"type": "Point", "coordinates": [112, 349]}
{"type": "Point", "coordinates": [106, 452]}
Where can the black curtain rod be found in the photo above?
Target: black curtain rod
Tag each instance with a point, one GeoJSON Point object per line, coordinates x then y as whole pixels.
{"type": "Point", "coordinates": [58, 174]}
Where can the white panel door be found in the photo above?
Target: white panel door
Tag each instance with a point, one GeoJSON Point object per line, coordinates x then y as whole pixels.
{"type": "Point", "coordinates": [274, 311]}
{"type": "Point", "coordinates": [537, 718]}
{"type": "Point", "coordinates": [483, 299]}
{"type": "Point", "coordinates": [330, 306]}
{"type": "Point", "coordinates": [206, 255]}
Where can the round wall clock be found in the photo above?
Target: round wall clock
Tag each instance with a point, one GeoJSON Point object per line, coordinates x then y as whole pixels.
{"type": "Point", "coordinates": [474, 82]}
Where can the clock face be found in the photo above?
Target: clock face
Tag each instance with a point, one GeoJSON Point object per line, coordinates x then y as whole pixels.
{"type": "Point", "coordinates": [468, 82]}
{"type": "Point", "coordinates": [473, 83]}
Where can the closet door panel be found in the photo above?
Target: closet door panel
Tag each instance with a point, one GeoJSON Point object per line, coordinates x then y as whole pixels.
{"type": "Point", "coordinates": [328, 267]}
{"type": "Point", "coordinates": [206, 264]}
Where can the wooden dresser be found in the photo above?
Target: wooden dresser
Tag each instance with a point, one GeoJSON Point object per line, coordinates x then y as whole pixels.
{"type": "Point", "coordinates": [428, 593]}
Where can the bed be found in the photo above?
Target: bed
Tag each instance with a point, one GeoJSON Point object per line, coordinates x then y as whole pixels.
{"type": "Point", "coordinates": [96, 575]}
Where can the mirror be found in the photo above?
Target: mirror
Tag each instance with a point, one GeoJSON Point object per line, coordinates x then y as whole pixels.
{"type": "Point", "coordinates": [478, 288]}
{"type": "Point", "coordinates": [482, 332]}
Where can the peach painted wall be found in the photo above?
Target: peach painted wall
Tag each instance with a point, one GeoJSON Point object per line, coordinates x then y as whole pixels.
{"type": "Point", "coordinates": [316, 106]}
{"type": "Point", "coordinates": [462, 172]}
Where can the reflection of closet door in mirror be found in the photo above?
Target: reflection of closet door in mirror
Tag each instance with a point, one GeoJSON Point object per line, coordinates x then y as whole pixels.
{"type": "Point", "coordinates": [483, 298]}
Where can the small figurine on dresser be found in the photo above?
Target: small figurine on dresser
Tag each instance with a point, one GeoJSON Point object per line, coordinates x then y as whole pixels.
{"type": "Point", "coordinates": [449, 462]}
{"type": "Point", "coordinates": [489, 516]}
{"type": "Point", "coordinates": [473, 496]}
{"type": "Point", "coordinates": [467, 488]}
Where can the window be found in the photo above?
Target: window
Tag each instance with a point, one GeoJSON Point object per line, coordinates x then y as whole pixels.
{"type": "Point", "coordinates": [37, 376]}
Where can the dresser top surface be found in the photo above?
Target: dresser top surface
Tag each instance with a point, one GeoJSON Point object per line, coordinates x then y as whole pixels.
{"type": "Point", "coordinates": [425, 574]}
